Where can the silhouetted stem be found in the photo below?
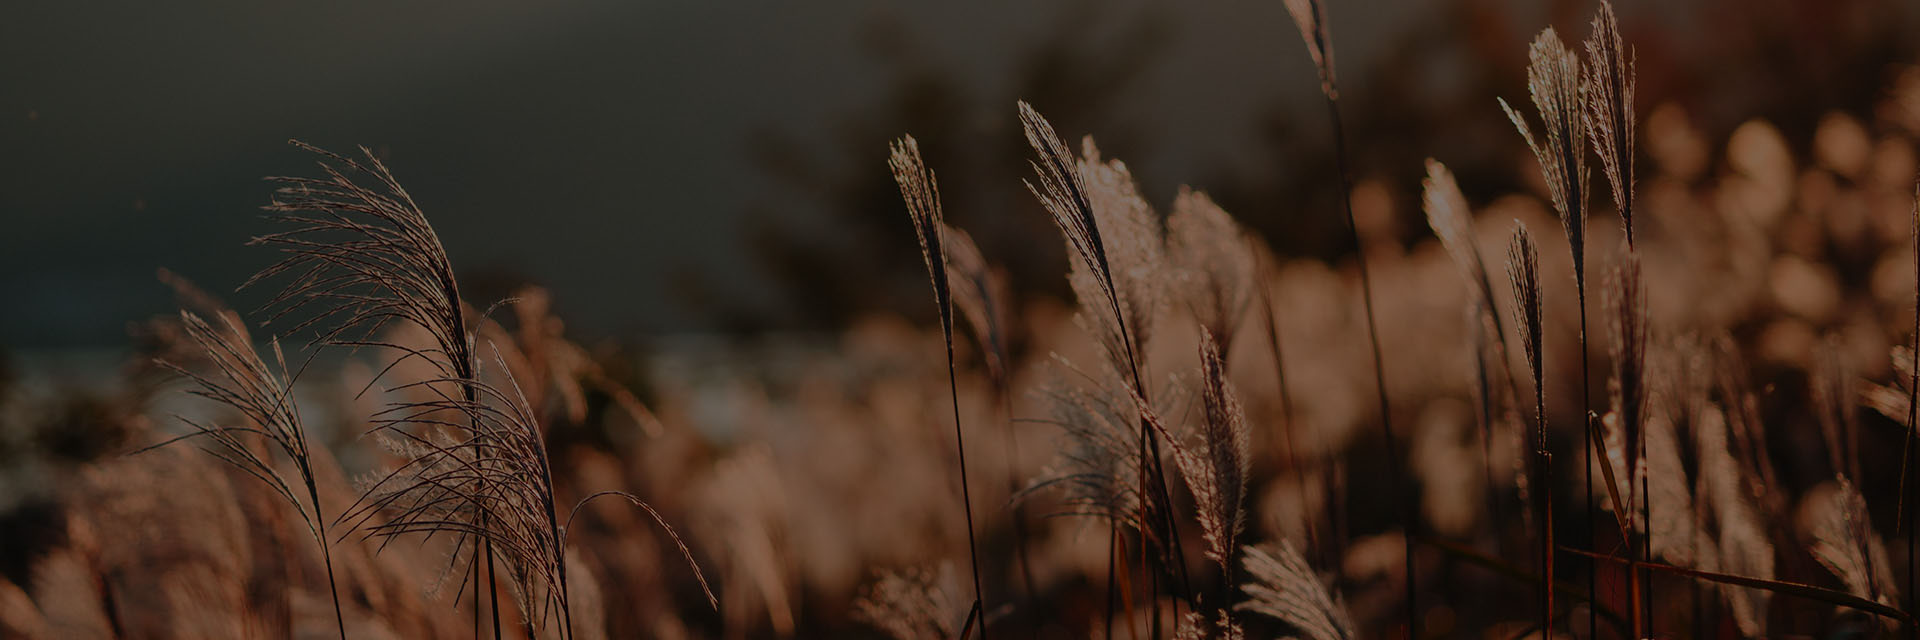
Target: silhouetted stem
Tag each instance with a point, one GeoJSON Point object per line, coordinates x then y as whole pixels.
{"type": "Point", "coordinates": [1379, 368]}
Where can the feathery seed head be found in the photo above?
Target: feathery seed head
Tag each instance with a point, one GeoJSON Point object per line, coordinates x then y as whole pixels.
{"type": "Point", "coordinates": [922, 195]}
{"type": "Point", "coordinates": [1523, 269]}
{"type": "Point", "coordinates": [1609, 109]}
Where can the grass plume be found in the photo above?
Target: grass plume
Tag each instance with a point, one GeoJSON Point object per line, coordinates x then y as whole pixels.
{"type": "Point", "coordinates": [1523, 271]}
{"type": "Point", "coordinates": [921, 191]}
{"type": "Point", "coordinates": [1609, 109]}
{"type": "Point", "coordinates": [1282, 586]}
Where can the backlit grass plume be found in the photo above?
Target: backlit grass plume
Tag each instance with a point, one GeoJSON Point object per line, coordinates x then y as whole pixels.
{"type": "Point", "coordinates": [240, 380]}
{"type": "Point", "coordinates": [362, 258]}
{"type": "Point", "coordinates": [1555, 83]}
{"type": "Point", "coordinates": [1609, 109]}
{"type": "Point", "coordinates": [1217, 472]}
{"type": "Point", "coordinates": [1118, 280]}
{"type": "Point", "coordinates": [1452, 221]}
{"type": "Point", "coordinates": [1523, 270]}
{"type": "Point", "coordinates": [921, 191]}
{"type": "Point", "coordinates": [1281, 586]}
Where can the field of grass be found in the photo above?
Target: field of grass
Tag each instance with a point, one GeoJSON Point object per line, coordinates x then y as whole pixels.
{"type": "Point", "coordinates": [1666, 391]}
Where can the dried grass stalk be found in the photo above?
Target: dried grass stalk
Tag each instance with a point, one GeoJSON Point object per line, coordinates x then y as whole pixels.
{"type": "Point", "coordinates": [1062, 190]}
{"type": "Point", "coordinates": [362, 258]}
{"type": "Point", "coordinates": [1086, 198]}
{"type": "Point", "coordinates": [240, 380]}
{"type": "Point", "coordinates": [921, 191]}
{"type": "Point", "coordinates": [1523, 270]}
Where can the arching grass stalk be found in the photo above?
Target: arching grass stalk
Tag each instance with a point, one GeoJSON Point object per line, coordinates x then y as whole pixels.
{"type": "Point", "coordinates": [264, 397]}
{"type": "Point", "coordinates": [1311, 17]}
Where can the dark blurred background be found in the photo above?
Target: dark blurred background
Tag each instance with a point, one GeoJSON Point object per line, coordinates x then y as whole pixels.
{"type": "Point", "coordinates": [671, 167]}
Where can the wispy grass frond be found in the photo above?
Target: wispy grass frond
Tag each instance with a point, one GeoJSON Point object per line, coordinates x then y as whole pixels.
{"type": "Point", "coordinates": [921, 192]}
{"type": "Point", "coordinates": [1609, 109]}
{"type": "Point", "coordinates": [240, 380]}
{"type": "Point", "coordinates": [493, 483]}
{"type": "Point", "coordinates": [1523, 270]}
{"type": "Point", "coordinates": [1136, 257]}
{"type": "Point", "coordinates": [1087, 199]}
{"type": "Point", "coordinates": [1670, 525]}
{"type": "Point", "coordinates": [362, 257]}
{"type": "Point", "coordinates": [1281, 586]}
{"type": "Point", "coordinates": [1062, 189]}
{"type": "Point", "coordinates": [1217, 472]}
{"type": "Point", "coordinates": [1197, 626]}
{"type": "Point", "coordinates": [1625, 306]}
{"type": "Point", "coordinates": [262, 396]}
